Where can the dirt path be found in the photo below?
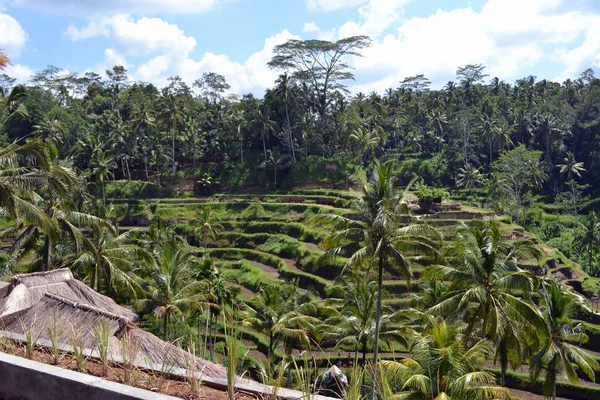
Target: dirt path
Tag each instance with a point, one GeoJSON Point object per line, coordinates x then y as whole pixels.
{"type": "Point", "coordinates": [247, 294]}
{"type": "Point", "coordinates": [271, 272]}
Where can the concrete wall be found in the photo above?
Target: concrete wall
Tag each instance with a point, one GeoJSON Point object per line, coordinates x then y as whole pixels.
{"type": "Point", "coordinates": [22, 379]}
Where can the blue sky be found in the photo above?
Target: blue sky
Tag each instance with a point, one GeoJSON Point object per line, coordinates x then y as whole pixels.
{"type": "Point", "coordinates": [155, 39]}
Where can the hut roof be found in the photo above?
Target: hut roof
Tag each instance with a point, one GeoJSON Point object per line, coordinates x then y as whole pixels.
{"type": "Point", "coordinates": [64, 317]}
{"type": "Point", "coordinates": [65, 305]}
{"type": "Point", "coordinates": [26, 290]}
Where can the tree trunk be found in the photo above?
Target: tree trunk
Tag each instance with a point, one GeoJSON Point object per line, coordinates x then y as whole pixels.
{"type": "Point", "coordinates": [205, 335]}
{"type": "Point", "coordinates": [287, 114]}
{"type": "Point", "coordinates": [364, 352]}
{"type": "Point", "coordinates": [103, 194]}
{"type": "Point", "coordinates": [503, 362]}
{"type": "Point", "coordinates": [377, 326]}
{"type": "Point", "coordinates": [165, 321]}
{"type": "Point", "coordinates": [264, 145]}
{"type": "Point", "coordinates": [46, 257]}
{"type": "Point", "coordinates": [173, 150]}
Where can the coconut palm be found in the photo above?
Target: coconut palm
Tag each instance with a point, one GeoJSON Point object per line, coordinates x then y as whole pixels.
{"type": "Point", "coordinates": [102, 167]}
{"type": "Point", "coordinates": [588, 236]}
{"type": "Point", "coordinates": [375, 238]}
{"type": "Point", "coordinates": [266, 125]}
{"type": "Point", "coordinates": [559, 356]}
{"type": "Point", "coordinates": [469, 177]}
{"type": "Point", "coordinates": [488, 288]}
{"type": "Point", "coordinates": [171, 112]}
{"type": "Point", "coordinates": [354, 309]}
{"type": "Point", "coordinates": [365, 141]}
{"type": "Point", "coordinates": [570, 168]}
{"type": "Point", "coordinates": [284, 86]}
{"type": "Point", "coordinates": [280, 313]}
{"type": "Point", "coordinates": [23, 170]}
{"type": "Point", "coordinates": [170, 287]}
{"type": "Point", "coordinates": [208, 226]}
{"type": "Point", "coordinates": [62, 224]}
{"type": "Point", "coordinates": [112, 260]}
{"type": "Point", "coordinates": [441, 367]}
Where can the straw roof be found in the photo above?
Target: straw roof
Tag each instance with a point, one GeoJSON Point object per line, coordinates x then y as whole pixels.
{"type": "Point", "coordinates": [55, 300]}
{"type": "Point", "coordinates": [26, 290]}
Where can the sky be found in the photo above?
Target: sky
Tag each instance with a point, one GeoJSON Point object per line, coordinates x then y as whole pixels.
{"type": "Point", "coordinates": [156, 39]}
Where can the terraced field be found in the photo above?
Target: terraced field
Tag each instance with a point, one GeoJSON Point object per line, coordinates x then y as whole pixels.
{"type": "Point", "coordinates": [276, 236]}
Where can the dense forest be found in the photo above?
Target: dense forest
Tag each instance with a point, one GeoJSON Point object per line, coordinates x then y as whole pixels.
{"type": "Point", "coordinates": [74, 145]}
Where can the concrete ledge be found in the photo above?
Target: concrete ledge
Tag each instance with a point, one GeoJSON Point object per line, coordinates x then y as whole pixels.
{"type": "Point", "coordinates": [245, 385]}
{"type": "Point", "coordinates": [22, 379]}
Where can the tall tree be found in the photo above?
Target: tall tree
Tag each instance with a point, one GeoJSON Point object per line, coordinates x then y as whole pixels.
{"type": "Point", "coordinates": [319, 64]}
{"type": "Point", "coordinates": [441, 367]}
{"type": "Point", "coordinates": [559, 354]}
{"type": "Point", "coordinates": [519, 172]}
{"type": "Point", "coordinates": [375, 238]}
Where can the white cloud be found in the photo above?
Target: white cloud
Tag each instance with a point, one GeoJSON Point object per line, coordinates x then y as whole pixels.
{"type": "Point", "coordinates": [107, 7]}
{"type": "Point", "coordinates": [311, 27]}
{"type": "Point", "coordinates": [332, 5]}
{"type": "Point", "coordinates": [12, 36]}
{"type": "Point", "coordinates": [505, 41]}
{"type": "Point", "coordinates": [169, 49]}
{"type": "Point", "coordinates": [21, 73]}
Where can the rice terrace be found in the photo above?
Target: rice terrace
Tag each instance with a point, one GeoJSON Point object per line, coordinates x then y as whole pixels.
{"type": "Point", "coordinates": [286, 227]}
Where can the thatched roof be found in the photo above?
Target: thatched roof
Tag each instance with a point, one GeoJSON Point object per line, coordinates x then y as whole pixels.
{"type": "Point", "coordinates": [65, 316]}
{"type": "Point", "coordinates": [55, 300]}
{"type": "Point", "coordinates": [26, 290]}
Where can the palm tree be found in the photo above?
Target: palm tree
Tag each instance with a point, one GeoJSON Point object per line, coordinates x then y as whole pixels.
{"type": "Point", "coordinates": [501, 134]}
{"type": "Point", "coordinates": [277, 311]}
{"type": "Point", "coordinates": [571, 168]}
{"type": "Point", "coordinates": [276, 161]}
{"type": "Point", "coordinates": [588, 236]}
{"type": "Point", "coordinates": [51, 131]}
{"type": "Point", "coordinates": [102, 167]}
{"type": "Point", "coordinates": [546, 127]}
{"type": "Point", "coordinates": [375, 237]}
{"type": "Point", "coordinates": [113, 258]}
{"type": "Point", "coordinates": [172, 113]}
{"type": "Point", "coordinates": [354, 308]}
{"type": "Point", "coordinates": [142, 122]}
{"type": "Point", "coordinates": [284, 89]}
{"type": "Point", "coordinates": [266, 125]}
{"type": "Point", "coordinates": [486, 282]}
{"type": "Point", "coordinates": [469, 177]}
{"type": "Point", "coordinates": [365, 140]}
{"type": "Point", "coordinates": [170, 286]}
{"type": "Point", "coordinates": [442, 368]}
{"type": "Point", "coordinates": [23, 169]}
{"type": "Point", "coordinates": [488, 127]}
{"type": "Point", "coordinates": [437, 119]}
{"type": "Point", "coordinates": [558, 356]}
{"type": "Point", "coordinates": [208, 226]}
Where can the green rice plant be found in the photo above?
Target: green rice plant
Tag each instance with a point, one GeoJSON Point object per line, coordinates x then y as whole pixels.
{"type": "Point", "coordinates": [30, 340]}
{"type": "Point", "coordinates": [78, 349]}
{"type": "Point", "coordinates": [194, 379]}
{"type": "Point", "coordinates": [102, 334]}
{"type": "Point", "coordinates": [6, 345]}
{"type": "Point", "coordinates": [54, 334]}
{"type": "Point", "coordinates": [357, 375]}
{"type": "Point", "coordinates": [305, 378]}
{"type": "Point", "coordinates": [129, 354]}
{"type": "Point", "coordinates": [233, 344]}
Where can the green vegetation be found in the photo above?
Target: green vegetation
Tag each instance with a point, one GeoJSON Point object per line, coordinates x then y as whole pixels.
{"type": "Point", "coordinates": [288, 231]}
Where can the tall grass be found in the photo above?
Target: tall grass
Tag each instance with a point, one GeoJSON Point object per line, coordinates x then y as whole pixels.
{"type": "Point", "coordinates": [102, 334]}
